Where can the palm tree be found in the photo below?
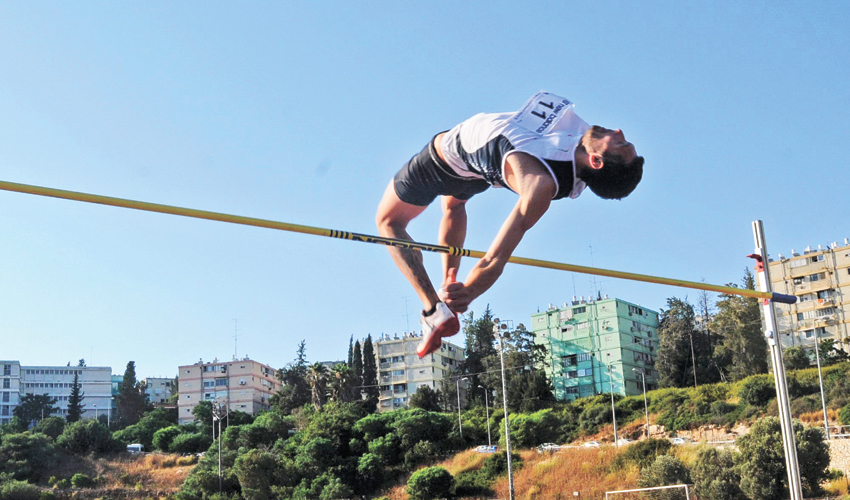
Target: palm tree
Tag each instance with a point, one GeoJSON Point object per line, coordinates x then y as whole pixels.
{"type": "Point", "coordinates": [341, 381]}
{"type": "Point", "coordinates": [318, 379]}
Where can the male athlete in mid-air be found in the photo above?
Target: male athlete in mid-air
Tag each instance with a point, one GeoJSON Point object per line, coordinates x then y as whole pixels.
{"type": "Point", "coordinates": [542, 152]}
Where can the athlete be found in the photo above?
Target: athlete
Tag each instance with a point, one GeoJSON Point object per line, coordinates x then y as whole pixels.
{"type": "Point", "coordinates": [542, 152]}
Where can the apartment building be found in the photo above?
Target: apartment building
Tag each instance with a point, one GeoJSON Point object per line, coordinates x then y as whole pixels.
{"type": "Point", "coordinates": [820, 279]}
{"type": "Point", "coordinates": [10, 393]}
{"type": "Point", "coordinates": [56, 382]}
{"type": "Point", "coordinates": [240, 384]}
{"type": "Point", "coordinates": [159, 389]}
{"type": "Point", "coordinates": [401, 373]}
{"type": "Point", "coordinates": [598, 346]}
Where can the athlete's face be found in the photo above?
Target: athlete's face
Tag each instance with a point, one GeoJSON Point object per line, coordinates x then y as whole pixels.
{"type": "Point", "coordinates": [602, 140]}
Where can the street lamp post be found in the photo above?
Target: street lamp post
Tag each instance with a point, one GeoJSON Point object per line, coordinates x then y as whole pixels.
{"type": "Point", "coordinates": [645, 406]}
{"type": "Point", "coordinates": [497, 327]}
{"type": "Point", "coordinates": [95, 412]}
{"type": "Point", "coordinates": [487, 409]}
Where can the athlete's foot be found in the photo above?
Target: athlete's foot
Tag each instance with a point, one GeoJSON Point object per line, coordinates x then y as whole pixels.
{"type": "Point", "coordinates": [442, 322]}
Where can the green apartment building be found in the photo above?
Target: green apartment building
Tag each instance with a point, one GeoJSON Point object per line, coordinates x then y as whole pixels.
{"type": "Point", "coordinates": [598, 346]}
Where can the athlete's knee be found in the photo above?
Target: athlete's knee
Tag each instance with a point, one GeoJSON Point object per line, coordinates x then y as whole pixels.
{"type": "Point", "coordinates": [390, 223]}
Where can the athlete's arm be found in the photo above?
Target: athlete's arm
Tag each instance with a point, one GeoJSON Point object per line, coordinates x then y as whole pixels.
{"type": "Point", "coordinates": [535, 187]}
{"type": "Point", "coordinates": [452, 233]}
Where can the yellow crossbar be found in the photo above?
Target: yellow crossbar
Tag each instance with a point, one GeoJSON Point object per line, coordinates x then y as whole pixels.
{"type": "Point", "coordinates": [333, 233]}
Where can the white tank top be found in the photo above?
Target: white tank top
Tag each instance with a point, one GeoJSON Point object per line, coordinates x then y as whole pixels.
{"type": "Point", "coordinates": [546, 128]}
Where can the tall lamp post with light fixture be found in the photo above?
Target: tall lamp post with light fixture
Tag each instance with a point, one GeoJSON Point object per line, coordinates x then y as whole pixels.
{"type": "Point", "coordinates": [820, 381]}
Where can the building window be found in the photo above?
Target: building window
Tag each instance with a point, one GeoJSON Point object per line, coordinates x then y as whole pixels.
{"type": "Point", "coordinates": [580, 310]}
{"type": "Point", "coordinates": [572, 390]}
{"type": "Point", "coordinates": [571, 374]}
{"type": "Point", "coordinates": [7, 384]}
{"type": "Point", "coordinates": [220, 381]}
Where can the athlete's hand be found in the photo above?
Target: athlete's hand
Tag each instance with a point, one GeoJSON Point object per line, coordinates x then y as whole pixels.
{"type": "Point", "coordinates": [455, 294]}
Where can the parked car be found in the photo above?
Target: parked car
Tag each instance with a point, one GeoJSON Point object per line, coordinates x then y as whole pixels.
{"type": "Point", "coordinates": [591, 444]}
{"type": "Point", "coordinates": [135, 448]}
{"type": "Point", "coordinates": [548, 447]}
{"type": "Point", "coordinates": [681, 440]}
{"type": "Point", "coordinates": [486, 449]}
{"type": "Point", "coordinates": [624, 441]}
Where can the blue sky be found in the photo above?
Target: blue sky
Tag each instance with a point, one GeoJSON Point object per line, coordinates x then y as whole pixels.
{"type": "Point", "coordinates": [302, 112]}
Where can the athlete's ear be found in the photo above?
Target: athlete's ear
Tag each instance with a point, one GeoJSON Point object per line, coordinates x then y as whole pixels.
{"type": "Point", "coordinates": [595, 161]}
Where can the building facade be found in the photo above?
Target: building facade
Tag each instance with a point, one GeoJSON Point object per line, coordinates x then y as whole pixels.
{"type": "Point", "coordinates": [10, 393]}
{"type": "Point", "coordinates": [159, 390]}
{"type": "Point", "coordinates": [820, 279]}
{"type": "Point", "coordinates": [401, 373]}
{"type": "Point", "coordinates": [56, 382]}
{"type": "Point", "coordinates": [598, 346]}
{"type": "Point", "coordinates": [240, 384]}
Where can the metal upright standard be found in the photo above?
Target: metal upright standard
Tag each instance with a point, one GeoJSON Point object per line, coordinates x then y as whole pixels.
{"type": "Point", "coordinates": [497, 329]}
{"type": "Point", "coordinates": [771, 334]}
{"type": "Point", "coordinates": [820, 382]}
{"type": "Point", "coordinates": [487, 409]}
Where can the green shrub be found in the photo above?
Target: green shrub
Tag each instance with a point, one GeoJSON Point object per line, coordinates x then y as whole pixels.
{"type": "Point", "coordinates": [162, 438]}
{"type": "Point", "coordinates": [715, 476]}
{"type": "Point", "coordinates": [761, 461]}
{"type": "Point", "coordinates": [18, 490]}
{"type": "Point", "coordinates": [370, 472]}
{"type": "Point", "coordinates": [844, 415]}
{"type": "Point", "coordinates": [46, 495]}
{"type": "Point", "coordinates": [430, 483]}
{"type": "Point", "coordinates": [643, 453]}
{"type": "Point", "coordinates": [51, 426]}
{"type": "Point", "coordinates": [190, 443]}
{"type": "Point", "coordinates": [87, 436]}
{"type": "Point", "coordinates": [423, 451]}
{"type": "Point", "coordinates": [497, 464]}
{"type": "Point", "coordinates": [666, 470]}
{"type": "Point", "coordinates": [26, 455]}
{"type": "Point", "coordinates": [80, 480]}
{"type": "Point", "coordinates": [757, 390]}
{"type": "Point", "coordinates": [62, 484]}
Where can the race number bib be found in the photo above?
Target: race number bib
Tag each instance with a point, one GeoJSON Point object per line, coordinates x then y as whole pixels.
{"type": "Point", "coordinates": [541, 113]}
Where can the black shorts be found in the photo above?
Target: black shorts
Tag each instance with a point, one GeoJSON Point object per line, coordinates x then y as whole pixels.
{"type": "Point", "coordinates": [427, 176]}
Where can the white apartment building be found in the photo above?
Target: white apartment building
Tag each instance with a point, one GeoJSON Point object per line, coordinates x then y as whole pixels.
{"type": "Point", "coordinates": [56, 382]}
{"type": "Point", "coordinates": [241, 384]}
{"type": "Point", "coordinates": [401, 373]}
{"type": "Point", "coordinates": [820, 279]}
{"type": "Point", "coordinates": [159, 389]}
{"type": "Point", "coordinates": [10, 393]}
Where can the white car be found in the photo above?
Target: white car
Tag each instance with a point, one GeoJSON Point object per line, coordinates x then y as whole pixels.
{"type": "Point", "coordinates": [624, 441]}
{"type": "Point", "coordinates": [548, 447]}
{"type": "Point", "coordinates": [681, 440]}
{"type": "Point", "coordinates": [591, 444]}
{"type": "Point", "coordinates": [486, 449]}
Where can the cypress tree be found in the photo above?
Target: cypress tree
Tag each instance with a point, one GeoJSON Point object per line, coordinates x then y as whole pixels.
{"type": "Point", "coordinates": [357, 370]}
{"type": "Point", "coordinates": [75, 400]}
{"type": "Point", "coordinates": [370, 370]}
{"type": "Point", "coordinates": [131, 402]}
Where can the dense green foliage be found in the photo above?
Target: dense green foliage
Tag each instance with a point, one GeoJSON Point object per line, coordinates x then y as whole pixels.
{"type": "Point", "coordinates": [88, 436]}
{"type": "Point", "coordinates": [143, 431]}
{"type": "Point", "coordinates": [26, 456]}
{"type": "Point", "coordinates": [761, 462]}
{"type": "Point", "coordinates": [34, 407]}
{"type": "Point", "coordinates": [666, 470]}
{"type": "Point", "coordinates": [430, 483]}
{"type": "Point", "coordinates": [715, 476]}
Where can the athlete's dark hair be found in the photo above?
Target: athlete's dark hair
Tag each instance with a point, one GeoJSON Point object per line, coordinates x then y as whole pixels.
{"type": "Point", "coordinates": [616, 179]}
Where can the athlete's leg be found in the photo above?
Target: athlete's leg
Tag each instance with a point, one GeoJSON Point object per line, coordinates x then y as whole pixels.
{"type": "Point", "coordinates": [452, 233]}
{"type": "Point", "coordinates": [392, 219]}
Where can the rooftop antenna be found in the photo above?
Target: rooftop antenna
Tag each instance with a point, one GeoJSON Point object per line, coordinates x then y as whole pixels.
{"type": "Point", "coordinates": [593, 279]}
{"type": "Point", "coordinates": [235, 339]}
{"type": "Point", "coordinates": [406, 313]}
